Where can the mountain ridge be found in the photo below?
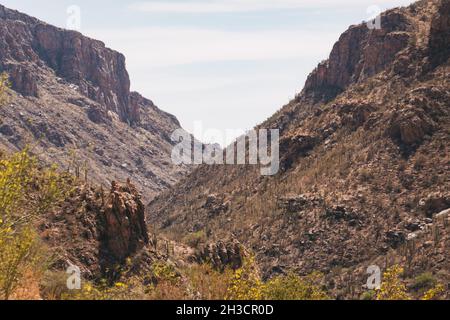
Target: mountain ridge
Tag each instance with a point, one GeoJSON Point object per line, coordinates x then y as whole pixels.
{"type": "Point", "coordinates": [363, 148]}
{"type": "Point", "coordinates": [71, 97]}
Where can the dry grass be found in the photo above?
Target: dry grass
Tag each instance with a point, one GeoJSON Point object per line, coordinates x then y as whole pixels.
{"type": "Point", "coordinates": [28, 288]}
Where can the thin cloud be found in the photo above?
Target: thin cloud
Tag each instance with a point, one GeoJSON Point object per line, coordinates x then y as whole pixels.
{"type": "Point", "coordinates": [234, 6]}
{"type": "Point", "coordinates": [160, 47]}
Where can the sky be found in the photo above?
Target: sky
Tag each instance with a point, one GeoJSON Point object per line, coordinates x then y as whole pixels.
{"type": "Point", "coordinates": [227, 64]}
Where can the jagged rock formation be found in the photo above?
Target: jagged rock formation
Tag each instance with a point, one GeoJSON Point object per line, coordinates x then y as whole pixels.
{"type": "Point", "coordinates": [71, 99]}
{"type": "Point", "coordinates": [221, 255]}
{"type": "Point", "coordinates": [97, 230]}
{"type": "Point", "coordinates": [125, 230]}
{"type": "Point", "coordinates": [364, 161]}
{"type": "Point", "coordinates": [105, 234]}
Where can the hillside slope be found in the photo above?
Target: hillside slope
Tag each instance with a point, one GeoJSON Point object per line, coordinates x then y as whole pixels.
{"type": "Point", "coordinates": [364, 164]}
{"type": "Point", "coordinates": [71, 101]}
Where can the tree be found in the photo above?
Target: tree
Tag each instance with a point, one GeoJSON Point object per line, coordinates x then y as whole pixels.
{"type": "Point", "coordinates": [26, 191]}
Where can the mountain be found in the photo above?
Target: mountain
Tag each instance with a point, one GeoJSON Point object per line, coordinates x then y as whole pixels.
{"type": "Point", "coordinates": [364, 152]}
{"type": "Point", "coordinates": [71, 102]}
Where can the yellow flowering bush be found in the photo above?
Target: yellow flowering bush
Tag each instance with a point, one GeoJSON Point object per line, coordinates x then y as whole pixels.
{"type": "Point", "coordinates": [25, 192]}
{"type": "Point", "coordinates": [393, 288]}
{"type": "Point", "coordinates": [245, 283]}
{"type": "Point", "coordinates": [294, 287]}
{"type": "Point", "coordinates": [165, 272]}
{"type": "Point", "coordinates": [102, 291]}
{"type": "Point", "coordinates": [434, 293]}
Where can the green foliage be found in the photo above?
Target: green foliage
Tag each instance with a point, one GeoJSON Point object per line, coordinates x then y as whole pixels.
{"type": "Point", "coordinates": [20, 252]}
{"type": "Point", "coordinates": [424, 281]}
{"type": "Point", "coordinates": [15, 177]}
{"type": "Point", "coordinates": [25, 192]}
{"type": "Point", "coordinates": [393, 288]}
{"type": "Point", "coordinates": [165, 272]}
{"type": "Point", "coordinates": [294, 287]}
{"type": "Point", "coordinates": [102, 291]}
{"type": "Point", "coordinates": [434, 293]}
{"type": "Point", "coordinates": [369, 295]}
{"type": "Point", "coordinates": [246, 283]}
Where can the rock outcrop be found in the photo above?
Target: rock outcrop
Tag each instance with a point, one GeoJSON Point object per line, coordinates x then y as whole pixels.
{"type": "Point", "coordinates": [97, 230]}
{"type": "Point", "coordinates": [439, 43]}
{"type": "Point", "coordinates": [409, 126]}
{"type": "Point", "coordinates": [98, 72]}
{"type": "Point", "coordinates": [359, 54]}
{"type": "Point", "coordinates": [222, 255]}
{"type": "Point", "coordinates": [125, 230]}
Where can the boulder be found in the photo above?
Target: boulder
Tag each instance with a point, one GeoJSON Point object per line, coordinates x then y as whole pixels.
{"type": "Point", "coordinates": [409, 125]}
{"type": "Point", "coordinates": [434, 203]}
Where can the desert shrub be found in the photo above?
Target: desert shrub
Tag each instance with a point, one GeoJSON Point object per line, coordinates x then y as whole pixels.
{"type": "Point", "coordinates": [434, 293]}
{"type": "Point", "coordinates": [365, 175]}
{"type": "Point", "coordinates": [420, 162]}
{"type": "Point", "coordinates": [245, 283]}
{"type": "Point", "coordinates": [102, 291]}
{"type": "Point", "coordinates": [15, 176]}
{"type": "Point", "coordinates": [195, 239]}
{"type": "Point", "coordinates": [163, 271]}
{"type": "Point", "coordinates": [424, 281]}
{"type": "Point", "coordinates": [20, 252]}
{"type": "Point", "coordinates": [369, 295]}
{"type": "Point", "coordinates": [207, 283]}
{"type": "Point", "coordinates": [53, 285]}
{"type": "Point", "coordinates": [392, 287]}
{"type": "Point", "coordinates": [166, 290]}
{"type": "Point", "coordinates": [28, 287]}
{"type": "Point", "coordinates": [25, 192]}
{"type": "Point", "coordinates": [294, 287]}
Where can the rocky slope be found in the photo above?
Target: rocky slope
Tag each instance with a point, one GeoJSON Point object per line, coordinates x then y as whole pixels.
{"type": "Point", "coordinates": [71, 101]}
{"type": "Point", "coordinates": [364, 164]}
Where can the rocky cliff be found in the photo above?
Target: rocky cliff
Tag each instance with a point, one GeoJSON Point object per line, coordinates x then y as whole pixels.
{"type": "Point", "coordinates": [98, 72]}
{"type": "Point", "coordinates": [363, 148]}
{"type": "Point", "coordinates": [71, 99]}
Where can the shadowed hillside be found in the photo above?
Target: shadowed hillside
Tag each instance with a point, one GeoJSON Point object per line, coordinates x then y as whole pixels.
{"type": "Point", "coordinates": [364, 164]}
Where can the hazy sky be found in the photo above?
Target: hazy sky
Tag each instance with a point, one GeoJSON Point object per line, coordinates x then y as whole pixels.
{"type": "Point", "coordinates": [227, 63]}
